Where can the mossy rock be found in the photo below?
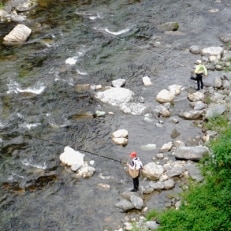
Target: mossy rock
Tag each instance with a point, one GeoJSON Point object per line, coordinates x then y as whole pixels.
{"type": "Point", "coordinates": [169, 26]}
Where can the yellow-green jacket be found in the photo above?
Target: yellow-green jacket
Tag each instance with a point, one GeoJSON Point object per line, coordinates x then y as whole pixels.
{"type": "Point", "coordinates": [200, 69]}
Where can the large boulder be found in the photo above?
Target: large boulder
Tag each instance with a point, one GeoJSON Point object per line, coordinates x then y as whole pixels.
{"type": "Point", "coordinates": [215, 110]}
{"type": "Point", "coordinates": [214, 51]}
{"type": "Point", "coordinates": [124, 205]}
{"type": "Point", "coordinates": [152, 171]}
{"type": "Point", "coordinates": [191, 153]}
{"type": "Point", "coordinates": [72, 158]}
{"type": "Point", "coordinates": [115, 96]}
{"type": "Point", "coordinates": [165, 96]}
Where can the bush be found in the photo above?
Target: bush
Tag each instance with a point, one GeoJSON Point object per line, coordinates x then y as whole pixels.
{"type": "Point", "coordinates": [217, 123]}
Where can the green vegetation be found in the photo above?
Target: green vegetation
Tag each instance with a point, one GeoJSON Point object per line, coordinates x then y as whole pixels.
{"type": "Point", "coordinates": [227, 69]}
{"type": "Point", "coordinates": [217, 123]}
{"type": "Point", "coordinates": [206, 206]}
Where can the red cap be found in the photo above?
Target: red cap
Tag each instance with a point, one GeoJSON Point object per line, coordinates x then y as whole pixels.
{"type": "Point", "coordinates": [133, 154]}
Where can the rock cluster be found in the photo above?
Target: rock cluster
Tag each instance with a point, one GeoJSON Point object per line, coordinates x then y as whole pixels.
{"type": "Point", "coordinates": [75, 160]}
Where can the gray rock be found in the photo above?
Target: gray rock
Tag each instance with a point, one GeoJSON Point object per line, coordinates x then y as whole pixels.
{"type": "Point", "coordinates": [195, 49]}
{"type": "Point", "coordinates": [226, 38]}
{"type": "Point", "coordinates": [137, 202]}
{"type": "Point", "coordinates": [124, 205]}
{"type": "Point", "coordinates": [191, 153]}
{"type": "Point", "coordinates": [152, 225]}
{"type": "Point", "coordinates": [199, 106]}
{"type": "Point", "coordinates": [217, 82]}
{"type": "Point", "coordinates": [134, 108]}
{"type": "Point", "coordinates": [194, 172]}
{"type": "Point", "coordinates": [157, 185]}
{"type": "Point", "coordinates": [175, 171]}
{"type": "Point", "coordinates": [169, 184]}
{"type": "Point", "coordinates": [215, 110]}
{"type": "Point", "coordinates": [169, 26]}
{"type": "Point", "coordinates": [192, 115]}
{"type": "Point", "coordinates": [175, 133]}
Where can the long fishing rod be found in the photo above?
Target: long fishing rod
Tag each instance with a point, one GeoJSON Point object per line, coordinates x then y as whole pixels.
{"type": "Point", "coordinates": [61, 144]}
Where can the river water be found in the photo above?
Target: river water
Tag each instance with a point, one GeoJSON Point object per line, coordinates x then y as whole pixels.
{"type": "Point", "coordinates": [89, 42]}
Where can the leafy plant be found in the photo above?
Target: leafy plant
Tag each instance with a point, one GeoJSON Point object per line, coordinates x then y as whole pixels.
{"type": "Point", "coordinates": [217, 123]}
{"type": "Point", "coordinates": [151, 214]}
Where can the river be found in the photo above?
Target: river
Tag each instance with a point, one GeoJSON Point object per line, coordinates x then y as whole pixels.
{"type": "Point", "coordinates": [89, 42]}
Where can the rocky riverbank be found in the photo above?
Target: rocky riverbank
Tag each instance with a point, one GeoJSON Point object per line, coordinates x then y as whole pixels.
{"type": "Point", "coordinates": [175, 161]}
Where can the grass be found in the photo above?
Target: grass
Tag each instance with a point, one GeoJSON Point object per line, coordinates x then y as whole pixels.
{"type": "Point", "coordinates": [217, 123]}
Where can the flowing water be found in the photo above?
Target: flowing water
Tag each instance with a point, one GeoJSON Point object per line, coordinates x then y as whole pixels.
{"type": "Point", "coordinates": [42, 111]}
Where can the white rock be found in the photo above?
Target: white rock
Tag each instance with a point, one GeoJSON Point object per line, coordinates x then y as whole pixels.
{"type": "Point", "coordinates": [175, 89]}
{"type": "Point", "coordinates": [165, 96]}
{"type": "Point", "coordinates": [115, 96]}
{"type": "Point", "coordinates": [196, 96]}
{"type": "Point", "coordinates": [148, 147]}
{"type": "Point", "coordinates": [153, 171]}
{"type": "Point", "coordinates": [120, 133]}
{"type": "Point", "coordinates": [18, 35]}
{"type": "Point", "coordinates": [86, 171]}
{"type": "Point", "coordinates": [104, 186]}
{"type": "Point", "coordinates": [120, 141]}
{"type": "Point", "coordinates": [133, 108]}
{"type": "Point", "coordinates": [118, 82]}
{"type": "Point", "coordinates": [71, 157]}
{"type": "Point", "coordinates": [146, 81]}
{"type": "Point", "coordinates": [192, 115]}
{"type": "Point", "coordinates": [166, 147]}
{"type": "Point", "coordinates": [162, 110]}
{"type": "Point", "coordinates": [218, 51]}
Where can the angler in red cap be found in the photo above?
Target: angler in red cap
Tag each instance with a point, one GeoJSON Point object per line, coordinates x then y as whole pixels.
{"type": "Point", "coordinates": [134, 170]}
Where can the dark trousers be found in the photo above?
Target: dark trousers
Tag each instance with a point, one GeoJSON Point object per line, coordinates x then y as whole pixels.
{"type": "Point", "coordinates": [199, 79]}
{"type": "Point", "coordinates": [136, 182]}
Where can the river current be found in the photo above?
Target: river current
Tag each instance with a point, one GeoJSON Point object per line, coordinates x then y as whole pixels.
{"type": "Point", "coordinates": [42, 110]}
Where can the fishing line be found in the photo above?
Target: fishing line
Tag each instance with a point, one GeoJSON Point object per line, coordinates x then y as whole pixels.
{"type": "Point", "coordinates": [130, 43]}
{"type": "Point", "coordinates": [64, 145]}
